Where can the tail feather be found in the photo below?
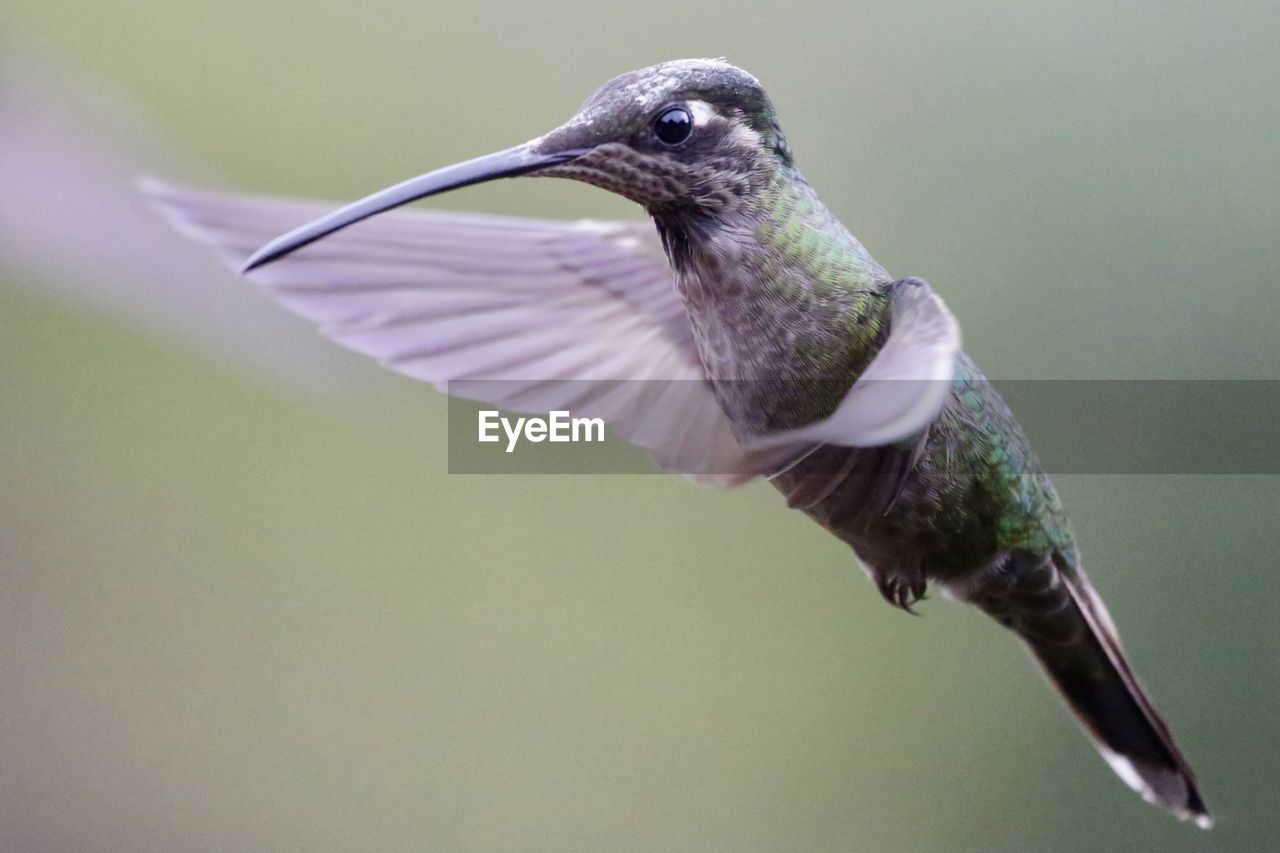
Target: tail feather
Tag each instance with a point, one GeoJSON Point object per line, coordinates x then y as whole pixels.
{"type": "Point", "coordinates": [1050, 604]}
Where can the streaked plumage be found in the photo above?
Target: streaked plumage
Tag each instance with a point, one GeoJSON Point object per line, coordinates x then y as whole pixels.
{"type": "Point", "coordinates": [802, 359]}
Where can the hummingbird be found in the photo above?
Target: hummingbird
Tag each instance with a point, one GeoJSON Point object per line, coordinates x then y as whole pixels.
{"type": "Point", "coordinates": [801, 359]}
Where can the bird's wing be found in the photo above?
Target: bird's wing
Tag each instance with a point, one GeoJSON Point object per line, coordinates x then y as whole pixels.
{"type": "Point", "coordinates": [531, 315]}
{"type": "Point", "coordinates": [904, 388]}
{"type": "Point", "coordinates": [74, 229]}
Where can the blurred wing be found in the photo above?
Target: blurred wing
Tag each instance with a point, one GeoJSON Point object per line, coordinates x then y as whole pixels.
{"type": "Point", "coordinates": [903, 389]}
{"type": "Point", "coordinates": [531, 315]}
{"type": "Point", "coordinates": [73, 228]}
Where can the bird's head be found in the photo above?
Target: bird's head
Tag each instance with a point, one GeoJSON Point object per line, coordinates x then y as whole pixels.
{"type": "Point", "coordinates": [689, 134]}
{"type": "Point", "coordinates": [689, 137]}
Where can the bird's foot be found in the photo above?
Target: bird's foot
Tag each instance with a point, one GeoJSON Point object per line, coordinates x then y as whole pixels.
{"type": "Point", "coordinates": [901, 587]}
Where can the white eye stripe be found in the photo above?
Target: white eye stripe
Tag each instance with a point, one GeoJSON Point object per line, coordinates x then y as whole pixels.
{"type": "Point", "coordinates": [744, 135]}
{"type": "Point", "coordinates": [701, 111]}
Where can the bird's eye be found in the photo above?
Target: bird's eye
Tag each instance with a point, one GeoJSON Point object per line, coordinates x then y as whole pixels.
{"type": "Point", "coordinates": [673, 125]}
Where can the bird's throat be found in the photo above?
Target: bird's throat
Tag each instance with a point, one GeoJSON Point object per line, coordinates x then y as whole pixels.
{"type": "Point", "coordinates": [779, 293]}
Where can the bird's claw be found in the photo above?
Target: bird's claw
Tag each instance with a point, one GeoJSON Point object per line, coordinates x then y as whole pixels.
{"type": "Point", "coordinates": [902, 589]}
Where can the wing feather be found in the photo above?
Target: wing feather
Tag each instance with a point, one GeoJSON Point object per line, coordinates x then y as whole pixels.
{"type": "Point", "coordinates": [531, 315]}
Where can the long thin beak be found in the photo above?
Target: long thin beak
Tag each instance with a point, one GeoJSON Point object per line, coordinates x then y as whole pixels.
{"type": "Point", "coordinates": [503, 164]}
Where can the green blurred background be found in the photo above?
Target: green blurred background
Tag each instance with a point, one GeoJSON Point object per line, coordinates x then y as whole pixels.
{"type": "Point", "coordinates": [239, 616]}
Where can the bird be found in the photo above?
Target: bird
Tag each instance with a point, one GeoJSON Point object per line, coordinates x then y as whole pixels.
{"type": "Point", "coordinates": [741, 333]}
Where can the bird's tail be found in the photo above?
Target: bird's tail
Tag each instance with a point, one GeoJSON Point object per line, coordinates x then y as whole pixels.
{"type": "Point", "coordinates": [1050, 604]}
